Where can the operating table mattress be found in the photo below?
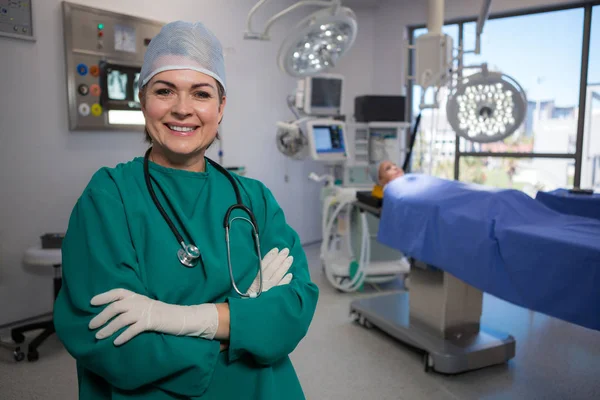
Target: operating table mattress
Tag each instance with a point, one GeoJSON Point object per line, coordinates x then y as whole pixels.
{"type": "Point", "coordinates": [502, 242]}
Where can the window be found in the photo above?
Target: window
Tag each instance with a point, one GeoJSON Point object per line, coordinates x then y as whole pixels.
{"type": "Point", "coordinates": [527, 174]}
{"type": "Point", "coordinates": [434, 150]}
{"type": "Point", "coordinates": [546, 62]}
{"type": "Point", "coordinates": [543, 52]}
{"type": "Point", "coordinates": [590, 162]}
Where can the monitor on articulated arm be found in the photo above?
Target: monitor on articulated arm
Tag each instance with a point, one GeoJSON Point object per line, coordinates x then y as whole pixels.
{"type": "Point", "coordinates": [320, 95]}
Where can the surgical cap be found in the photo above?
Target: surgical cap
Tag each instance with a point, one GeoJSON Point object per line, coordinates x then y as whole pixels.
{"type": "Point", "coordinates": [184, 45]}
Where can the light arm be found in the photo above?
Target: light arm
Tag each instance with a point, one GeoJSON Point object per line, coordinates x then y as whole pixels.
{"type": "Point", "coordinates": [483, 16]}
{"type": "Point", "coordinates": [250, 34]}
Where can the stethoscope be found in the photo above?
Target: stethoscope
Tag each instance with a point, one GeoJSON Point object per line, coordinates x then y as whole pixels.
{"type": "Point", "coordinates": [189, 254]}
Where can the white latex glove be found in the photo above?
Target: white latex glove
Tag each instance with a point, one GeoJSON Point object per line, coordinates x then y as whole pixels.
{"type": "Point", "coordinates": [141, 314]}
{"type": "Point", "coordinates": [274, 266]}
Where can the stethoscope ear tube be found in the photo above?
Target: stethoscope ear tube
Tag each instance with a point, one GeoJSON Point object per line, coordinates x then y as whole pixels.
{"type": "Point", "coordinates": [226, 220]}
{"type": "Point", "coordinates": [188, 254]}
{"type": "Point", "coordinates": [257, 249]}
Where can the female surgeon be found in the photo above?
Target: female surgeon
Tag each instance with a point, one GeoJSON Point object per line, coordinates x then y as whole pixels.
{"type": "Point", "coordinates": [167, 291]}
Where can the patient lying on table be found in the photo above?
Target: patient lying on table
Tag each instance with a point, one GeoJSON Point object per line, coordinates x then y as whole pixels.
{"type": "Point", "coordinates": [388, 171]}
{"type": "Point", "coordinates": [500, 241]}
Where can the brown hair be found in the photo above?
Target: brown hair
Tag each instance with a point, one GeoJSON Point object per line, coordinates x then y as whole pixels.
{"type": "Point", "coordinates": [220, 92]}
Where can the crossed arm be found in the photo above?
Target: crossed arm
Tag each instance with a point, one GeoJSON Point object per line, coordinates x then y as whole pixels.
{"type": "Point", "coordinates": [138, 313]}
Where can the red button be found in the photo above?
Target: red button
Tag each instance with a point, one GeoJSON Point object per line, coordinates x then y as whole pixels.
{"type": "Point", "coordinates": [100, 34]}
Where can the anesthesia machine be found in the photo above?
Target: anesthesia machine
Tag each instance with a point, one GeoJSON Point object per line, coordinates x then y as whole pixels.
{"type": "Point", "coordinates": [350, 254]}
{"type": "Point", "coordinates": [348, 150]}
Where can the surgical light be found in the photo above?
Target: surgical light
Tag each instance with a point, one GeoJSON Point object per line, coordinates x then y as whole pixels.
{"type": "Point", "coordinates": [486, 107]}
{"type": "Point", "coordinates": [317, 42]}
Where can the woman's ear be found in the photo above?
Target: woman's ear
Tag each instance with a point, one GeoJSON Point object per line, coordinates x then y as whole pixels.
{"type": "Point", "coordinates": [142, 100]}
{"type": "Point", "coordinates": [222, 108]}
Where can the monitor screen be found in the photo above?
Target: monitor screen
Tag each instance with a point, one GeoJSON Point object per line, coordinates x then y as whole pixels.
{"type": "Point", "coordinates": [326, 92]}
{"type": "Point", "coordinates": [329, 139]}
{"type": "Point", "coordinates": [117, 85]}
{"type": "Point", "coordinates": [120, 86]}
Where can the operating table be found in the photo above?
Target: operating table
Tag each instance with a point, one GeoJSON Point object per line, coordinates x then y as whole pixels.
{"type": "Point", "coordinates": [463, 240]}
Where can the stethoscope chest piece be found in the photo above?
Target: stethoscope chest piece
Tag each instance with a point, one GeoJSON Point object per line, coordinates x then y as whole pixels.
{"type": "Point", "coordinates": [188, 255]}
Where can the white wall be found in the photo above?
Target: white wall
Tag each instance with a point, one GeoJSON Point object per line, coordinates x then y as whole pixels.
{"type": "Point", "coordinates": [392, 17]}
{"type": "Point", "coordinates": [44, 167]}
{"type": "Point", "coordinates": [357, 64]}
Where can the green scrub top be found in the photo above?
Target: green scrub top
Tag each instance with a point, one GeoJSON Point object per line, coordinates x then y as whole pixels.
{"type": "Point", "coordinates": [117, 238]}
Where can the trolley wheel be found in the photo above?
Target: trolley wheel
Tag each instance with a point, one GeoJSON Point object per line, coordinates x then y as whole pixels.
{"type": "Point", "coordinates": [427, 362]}
{"type": "Point", "coordinates": [364, 322]}
{"type": "Point", "coordinates": [339, 281]}
{"type": "Point", "coordinates": [18, 355]}
{"type": "Point", "coordinates": [17, 337]}
{"type": "Point", "coordinates": [33, 355]}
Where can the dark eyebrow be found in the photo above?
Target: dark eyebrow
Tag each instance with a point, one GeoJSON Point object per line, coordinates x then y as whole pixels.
{"type": "Point", "coordinates": [195, 86]}
{"type": "Point", "coordinates": [199, 85]}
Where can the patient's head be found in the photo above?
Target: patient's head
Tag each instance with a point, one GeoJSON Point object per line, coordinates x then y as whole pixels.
{"type": "Point", "coordinates": [388, 171]}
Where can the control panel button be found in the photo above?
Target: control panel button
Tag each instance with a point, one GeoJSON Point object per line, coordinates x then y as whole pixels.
{"type": "Point", "coordinates": [82, 69]}
{"type": "Point", "coordinates": [83, 89]}
{"type": "Point", "coordinates": [96, 110]}
{"type": "Point", "coordinates": [94, 71]}
{"type": "Point", "coordinates": [95, 90]}
{"type": "Point", "coordinates": [84, 109]}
